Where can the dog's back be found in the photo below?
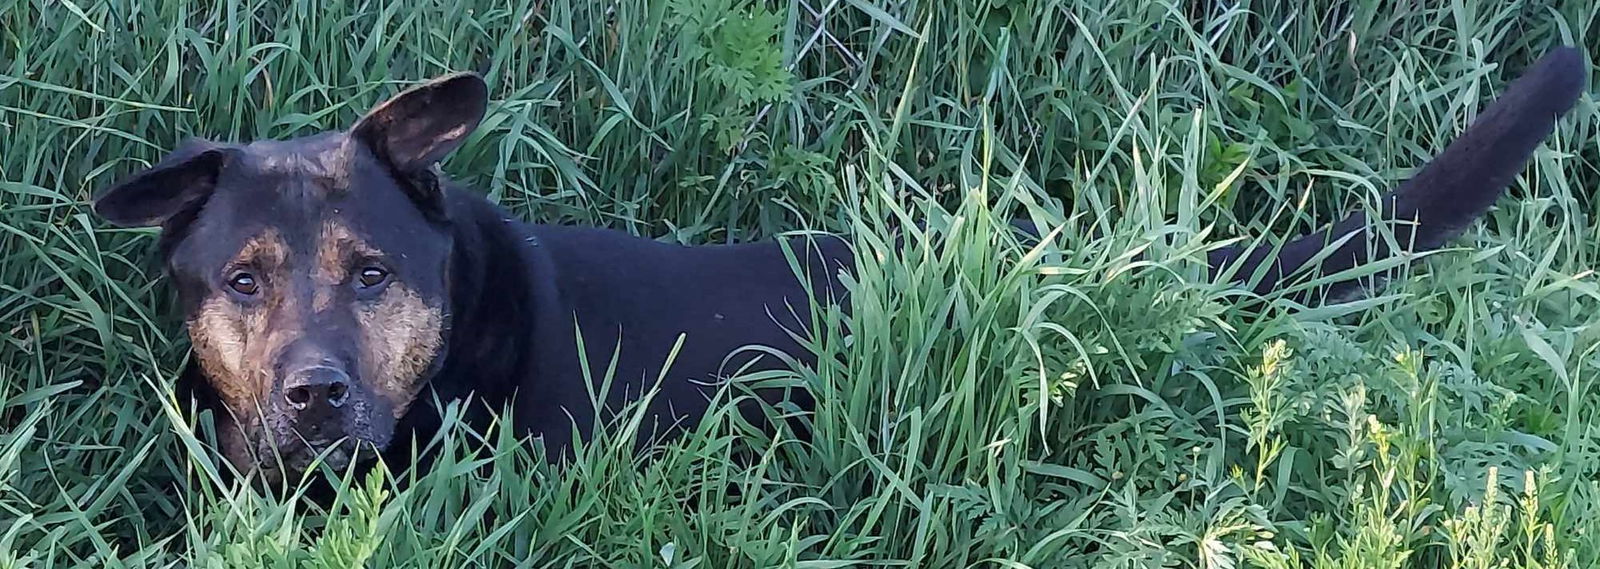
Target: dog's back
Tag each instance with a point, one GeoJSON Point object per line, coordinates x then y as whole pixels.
{"type": "Point", "coordinates": [638, 304]}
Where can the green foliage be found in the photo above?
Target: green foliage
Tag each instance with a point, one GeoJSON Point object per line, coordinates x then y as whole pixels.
{"type": "Point", "coordinates": [1087, 403]}
{"type": "Point", "coordinates": [734, 47]}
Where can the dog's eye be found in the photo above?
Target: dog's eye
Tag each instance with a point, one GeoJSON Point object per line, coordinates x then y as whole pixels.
{"type": "Point", "coordinates": [244, 283]}
{"type": "Point", "coordinates": [373, 276]}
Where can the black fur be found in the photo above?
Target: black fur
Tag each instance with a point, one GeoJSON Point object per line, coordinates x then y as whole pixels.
{"type": "Point", "coordinates": [522, 292]}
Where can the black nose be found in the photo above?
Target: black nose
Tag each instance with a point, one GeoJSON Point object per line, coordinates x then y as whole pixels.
{"type": "Point", "coordinates": [316, 386]}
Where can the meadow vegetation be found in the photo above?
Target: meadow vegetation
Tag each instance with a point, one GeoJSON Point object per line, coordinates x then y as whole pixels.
{"type": "Point", "coordinates": [1088, 403]}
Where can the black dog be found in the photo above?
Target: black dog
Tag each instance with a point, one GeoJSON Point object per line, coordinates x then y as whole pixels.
{"type": "Point", "coordinates": [327, 280]}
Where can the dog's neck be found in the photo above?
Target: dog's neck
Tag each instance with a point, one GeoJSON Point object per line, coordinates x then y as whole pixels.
{"type": "Point", "coordinates": [494, 301]}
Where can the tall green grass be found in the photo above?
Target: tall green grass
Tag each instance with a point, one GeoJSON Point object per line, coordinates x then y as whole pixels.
{"type": "Point", "coordinates": [1088, 403]}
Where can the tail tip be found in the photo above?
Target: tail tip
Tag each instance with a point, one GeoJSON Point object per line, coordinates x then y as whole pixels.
{"type": "Point", "coordinates": [1565, 56]}
{"type": "Point", "coordinates": [1563, 73]}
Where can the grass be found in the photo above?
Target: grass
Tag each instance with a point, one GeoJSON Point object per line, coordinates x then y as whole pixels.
{"type": "Point", "coordinates": [990, 406]}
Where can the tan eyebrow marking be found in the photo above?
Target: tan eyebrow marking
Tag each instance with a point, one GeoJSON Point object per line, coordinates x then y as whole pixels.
{"type": "Point", "coordinates": [266, 248]}
{"type": "Point", "coordinates": [337, 245]}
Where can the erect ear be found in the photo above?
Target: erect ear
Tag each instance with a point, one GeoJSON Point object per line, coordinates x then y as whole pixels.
{"type": "Point", "coordinates": [420, 126]}
{"type": "Point", "coordinates": [178, 183]}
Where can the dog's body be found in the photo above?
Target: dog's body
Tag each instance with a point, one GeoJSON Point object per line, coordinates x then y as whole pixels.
{"type": "Point", "coordinates": [525, 293]}
{"type": "Point", "coordinates": [327, 280]}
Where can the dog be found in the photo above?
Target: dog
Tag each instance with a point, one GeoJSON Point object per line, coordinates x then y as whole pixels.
{"type": "Point", "coordinates": [327, 281]}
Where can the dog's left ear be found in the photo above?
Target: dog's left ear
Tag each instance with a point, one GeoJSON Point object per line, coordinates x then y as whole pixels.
{"type": "Point", "coordinates": [181, 182]}
{"type": "Point", "coordinates": [417, 128]}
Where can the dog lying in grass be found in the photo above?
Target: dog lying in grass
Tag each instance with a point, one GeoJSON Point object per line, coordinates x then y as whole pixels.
{"type": "Point", "coordinates": [327, 280]}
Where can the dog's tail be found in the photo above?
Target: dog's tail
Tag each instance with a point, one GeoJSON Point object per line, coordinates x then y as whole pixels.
{"type": "Point", "coordinates": [1437, 204]}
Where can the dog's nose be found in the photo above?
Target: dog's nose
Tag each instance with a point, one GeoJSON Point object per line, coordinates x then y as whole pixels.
{"type": "Point", "coordinates": [316, 386]}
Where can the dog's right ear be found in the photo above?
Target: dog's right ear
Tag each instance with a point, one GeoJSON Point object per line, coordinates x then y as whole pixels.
{"type": "Point", "coordinates": [412, 131]}
{"type": "Point", "coordinates": [420, 126]}
{"type": "Point", "coordinates": [182, 181]}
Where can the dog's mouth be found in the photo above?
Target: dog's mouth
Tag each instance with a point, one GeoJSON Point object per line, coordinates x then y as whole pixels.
{"type": "Point", "coordinates": [284, 450]}
{"type": "Point", "coordinates": [302, 455]}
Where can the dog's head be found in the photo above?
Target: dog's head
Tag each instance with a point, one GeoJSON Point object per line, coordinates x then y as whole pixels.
{"type": "Point", "coordinates": [313, 273]}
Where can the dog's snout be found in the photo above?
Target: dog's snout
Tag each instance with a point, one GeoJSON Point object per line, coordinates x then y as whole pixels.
{"type": "Point", "coordinates": [316, 386]}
